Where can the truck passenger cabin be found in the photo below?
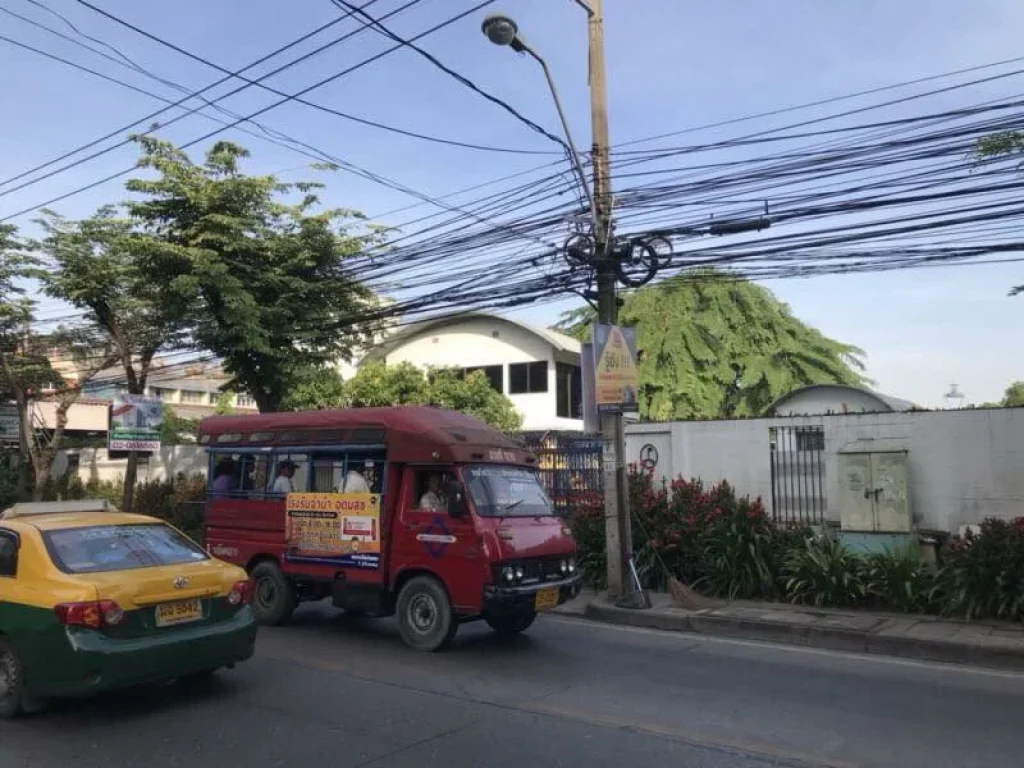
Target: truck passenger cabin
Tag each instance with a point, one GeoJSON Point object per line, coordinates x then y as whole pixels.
{"type": "Point", "coordinates": [420, 512]}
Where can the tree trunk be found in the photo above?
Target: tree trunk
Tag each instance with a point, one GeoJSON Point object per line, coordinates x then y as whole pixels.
{"type": "Point", "coordinates": [43, 471]}
{"type": "Point", "coordinates": [23, 465]}
{"type": "Point", "coordinates": [130, 474]}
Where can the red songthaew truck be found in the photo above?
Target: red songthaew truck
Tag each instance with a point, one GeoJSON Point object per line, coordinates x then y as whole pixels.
{"type": "Point", "coordinates": [421, 512]}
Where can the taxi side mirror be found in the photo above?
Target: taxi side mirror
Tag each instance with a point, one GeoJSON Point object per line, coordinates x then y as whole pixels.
{"type": "Point", "coordinates": [455, 495]}
{"type": "Point", "coordinates": [8, 555]}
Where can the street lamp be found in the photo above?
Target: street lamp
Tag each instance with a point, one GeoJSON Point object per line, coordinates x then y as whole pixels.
{"type": "Point", "coordinates": [502, 30]}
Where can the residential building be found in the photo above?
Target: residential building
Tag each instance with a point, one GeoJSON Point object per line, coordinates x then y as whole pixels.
{"type": "Point", "coordinates": [537, 368]}
{"type": "Point", "coordinates": [191, 392]}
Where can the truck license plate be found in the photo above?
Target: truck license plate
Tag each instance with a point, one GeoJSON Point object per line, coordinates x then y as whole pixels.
{"type": "Point", "coordinates": [168, 614]}
{"type": "Point", "coordinates": [546, 599]}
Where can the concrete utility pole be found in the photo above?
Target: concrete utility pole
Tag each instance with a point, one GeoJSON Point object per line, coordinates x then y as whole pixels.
{"type": "Point", "coordinates": [502, 30]}
{"type": "Point", "coordinates": [618, 531]}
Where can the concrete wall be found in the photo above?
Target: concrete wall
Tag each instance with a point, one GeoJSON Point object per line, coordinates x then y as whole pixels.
{"type": "Point", "coordinates": [964, 465]}
{"type": "Point", "coordinates": [94, 463]}
{"type": "Point", "coordinates": [492, 341]}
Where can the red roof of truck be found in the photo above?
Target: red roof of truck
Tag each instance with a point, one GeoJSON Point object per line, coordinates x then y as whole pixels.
{"type": "Point", "coordinates": [412, 433]}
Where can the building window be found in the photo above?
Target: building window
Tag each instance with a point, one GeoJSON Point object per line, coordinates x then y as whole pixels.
{"type": "Point", "coordinates": [191, 396]}
{"type": "Point", "coordinates": [214, 398]}
{"type": "Point", "coordinates": [160, 393]}
{"type": "Point", "coordinates": [810, 438]}
{"type": "Point", "coordinates": [528, 378]}
{"type": "Point", "coordinates": [495, 375]}
{"type": "Point", "coordinates": [244, 401]}
{"type": "Point", "coordinates": [569, 389]}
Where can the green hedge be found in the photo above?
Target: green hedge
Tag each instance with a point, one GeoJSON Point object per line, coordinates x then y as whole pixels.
{"type": "Point", "coordinates": [725, 546]}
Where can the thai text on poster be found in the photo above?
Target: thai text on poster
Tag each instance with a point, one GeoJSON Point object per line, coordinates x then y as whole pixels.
{"type": "Point", "coordinates": [342, 527]}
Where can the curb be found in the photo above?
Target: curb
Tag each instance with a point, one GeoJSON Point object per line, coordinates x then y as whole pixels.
{"type": "Point", "coordinates": [827, 638]}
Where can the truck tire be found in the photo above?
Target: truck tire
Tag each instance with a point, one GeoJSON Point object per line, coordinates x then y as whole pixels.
{"type": "Point", "coordinates": [511, 623]}
{"type": "Point", "coordinates": [273, 598]}
{"type": "Point", "coordinates": [11, 681]}
{"type": "Point", "coordinates": [425, 617]}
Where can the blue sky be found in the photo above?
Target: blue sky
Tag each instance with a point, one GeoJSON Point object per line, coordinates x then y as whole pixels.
{"type": "Point", "coordinates": [672, 64]}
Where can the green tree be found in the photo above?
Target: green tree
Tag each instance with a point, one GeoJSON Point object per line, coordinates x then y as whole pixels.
{"type": "Point", "coordinates": [177, 430]}
{"type": "Point", "coordinates": [314, 388]}
{"type": "Point", "coordinates": [26, 373]}
{"type": "Point", "coordinates": [715, 348]}
{"type": "Point", "coordinates": [92, 265]}
{"type": "Point", "coordinates": [264, 283]}
{"type": "Point", "coordinates": [1014, 396]}
{"type": "Point", "coordinates": [1001, 145]}
{"type": "Point", "coordinates": [378, 385]}
{"type": "Point", "coordinates": [225, 403]}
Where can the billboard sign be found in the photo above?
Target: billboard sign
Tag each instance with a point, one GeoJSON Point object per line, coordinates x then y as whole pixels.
{"type": "Point", "coordinates": [135, 423]}
{"type": "Point", "coordinates": [616, 378]}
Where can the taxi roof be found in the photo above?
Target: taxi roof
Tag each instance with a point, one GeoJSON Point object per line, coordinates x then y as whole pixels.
{"type": "Point", "coordinates": [54, 515]}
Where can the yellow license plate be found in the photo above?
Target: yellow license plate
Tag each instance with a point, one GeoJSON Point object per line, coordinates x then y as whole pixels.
{"type": "Point", "coordinates": [168, 614]}
{"type": "Point", "coordinates": [546, 599]}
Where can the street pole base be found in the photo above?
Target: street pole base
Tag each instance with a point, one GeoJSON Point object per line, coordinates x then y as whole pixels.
{"type": "Point", "coordinates": [635, 600]}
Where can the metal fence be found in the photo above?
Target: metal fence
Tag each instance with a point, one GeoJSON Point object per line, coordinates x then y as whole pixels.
{"type": "Point", "coordinates": [798, 473]}
{"type": "Point", "coordinates": [569, 464]}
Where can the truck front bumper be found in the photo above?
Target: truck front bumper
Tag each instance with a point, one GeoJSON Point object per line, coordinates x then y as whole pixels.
{"type": "Point", "coordinates": [522, 598]}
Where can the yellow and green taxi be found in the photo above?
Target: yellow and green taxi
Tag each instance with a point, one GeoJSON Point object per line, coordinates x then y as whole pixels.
{"type": "Point", "coordinates": [92, 599]}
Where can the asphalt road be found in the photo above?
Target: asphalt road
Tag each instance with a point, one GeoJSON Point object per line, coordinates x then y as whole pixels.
{"type": "Point", "coordinates": [341, 693]}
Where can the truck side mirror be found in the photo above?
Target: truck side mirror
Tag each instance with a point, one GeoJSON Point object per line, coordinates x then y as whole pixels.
{"type": "Point", "coordinates": [455, 495]}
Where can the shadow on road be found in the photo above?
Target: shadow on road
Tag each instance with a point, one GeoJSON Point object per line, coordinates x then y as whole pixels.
{"type": "Point", "coordinates": [138, 703]}
{"type": "Point", "coordinates": [475, 637]}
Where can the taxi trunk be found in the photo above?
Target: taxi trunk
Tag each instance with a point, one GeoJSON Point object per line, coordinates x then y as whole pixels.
{"type": "Point", "coordinates": [161, 598]}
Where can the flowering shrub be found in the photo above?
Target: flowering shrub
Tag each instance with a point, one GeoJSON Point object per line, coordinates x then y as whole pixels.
{"type": "Point", "coordinates": [724, 545]}
{"type": "Point", "coordinates": [982, 575]}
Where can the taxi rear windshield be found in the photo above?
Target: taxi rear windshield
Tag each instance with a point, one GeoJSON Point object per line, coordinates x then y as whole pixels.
{"type": "Point", "coordinates": [99, 548]}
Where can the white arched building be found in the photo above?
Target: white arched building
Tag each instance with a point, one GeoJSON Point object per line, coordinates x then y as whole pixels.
{"type": "Point", "coordinates": [537, 368]}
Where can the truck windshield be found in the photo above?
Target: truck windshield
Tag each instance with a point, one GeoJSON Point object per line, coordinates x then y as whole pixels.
{"type": "Point", "coordinates": [499, 491]}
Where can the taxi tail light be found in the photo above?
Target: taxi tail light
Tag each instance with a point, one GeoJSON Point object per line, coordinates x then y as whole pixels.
{"type": "Point", "coordinates": [241, 593]}
{"type": "Point", "coordinates": [94, 615]}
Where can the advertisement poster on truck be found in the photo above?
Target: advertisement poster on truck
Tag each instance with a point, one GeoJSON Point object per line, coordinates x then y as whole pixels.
{"type": "Point", "coordinates": [135, 423]}
{"type": "Point", "coordinates": [341, 527]}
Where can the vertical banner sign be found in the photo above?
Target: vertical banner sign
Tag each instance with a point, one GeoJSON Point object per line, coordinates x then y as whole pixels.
{"type": "Point", "coordinates": [616, 379]}
{"type": "Point", "coordinates": [341, 527]}
{"type": "Point", "coordinates": [135, 423]}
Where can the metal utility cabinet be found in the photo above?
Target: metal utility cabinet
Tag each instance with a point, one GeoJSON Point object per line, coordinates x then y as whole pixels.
{"type": "Point", "coordinates": [874, 490]}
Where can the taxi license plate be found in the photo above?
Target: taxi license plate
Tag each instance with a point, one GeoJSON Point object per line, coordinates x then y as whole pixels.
{"type": "Point", "coordinates": [168, 614]}
{"type": "Point", "coordinates": [546, 599]}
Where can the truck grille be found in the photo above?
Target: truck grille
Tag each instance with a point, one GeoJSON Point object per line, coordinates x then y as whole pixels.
{"type": "Point", "coordinates": [535, 570]}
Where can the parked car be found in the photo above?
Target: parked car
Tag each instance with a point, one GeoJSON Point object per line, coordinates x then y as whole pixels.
{"type": "Point", "coordinates": [93, 599]}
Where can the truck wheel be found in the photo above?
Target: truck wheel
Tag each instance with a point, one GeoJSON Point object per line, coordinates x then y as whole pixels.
{"type": "Point", "coordinates": [511, 623]}
{"type": "Point", "coordinates": [11, 680]}
{"type": "Point", "coordinates": [425, 617]}
{"type": "Point", "coordinates": [273, 599]}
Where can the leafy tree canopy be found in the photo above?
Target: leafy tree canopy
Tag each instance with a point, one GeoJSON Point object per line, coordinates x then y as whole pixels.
{"type": "Point", "coordinates": [314, 388]}
{"type": "Point", "coordinates": [378, 385]}
{"type": "Point", "coordinates": [177, 430]}
{"type": "Point", "coordinates": [1014, 396]}
{"type": "Point", "coordinates": [263, 283]}
{"type": "Point", "coordinates": [714, 347]}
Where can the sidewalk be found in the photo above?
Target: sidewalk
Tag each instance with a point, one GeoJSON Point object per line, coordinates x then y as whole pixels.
{"type": "Point", "coordinates": [982, 643]}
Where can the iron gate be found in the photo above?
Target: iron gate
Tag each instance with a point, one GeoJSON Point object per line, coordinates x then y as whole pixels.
{"type": "Point", "coordinates": [798, 474]}
{"type": "Point", "coordinates": [569, 464]}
